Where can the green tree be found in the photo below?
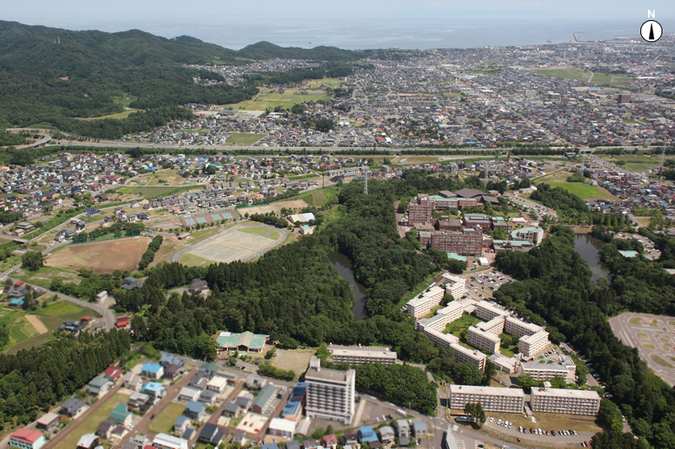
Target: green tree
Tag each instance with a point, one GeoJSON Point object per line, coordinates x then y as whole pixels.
{"type": "Point", "coordinates": [610, 415]}
{"type": "Point", "coordinates": [476, 411]}
{"type": "Point", "coordinates": [32, 260]}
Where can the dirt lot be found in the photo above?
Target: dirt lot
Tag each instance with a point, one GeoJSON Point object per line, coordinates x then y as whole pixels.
{"type": "Point", "coordinates": [274, 207]}
{"type": "Point", "coordinates": [296, 360]}
{"type": "Point", "coordinates": [101, 257]}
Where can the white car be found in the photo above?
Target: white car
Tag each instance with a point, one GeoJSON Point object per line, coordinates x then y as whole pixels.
{"type": "Point", "coordinates": [492, 418]}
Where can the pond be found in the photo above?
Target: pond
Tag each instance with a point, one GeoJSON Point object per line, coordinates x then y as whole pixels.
{"type": "Point", "coordinates": [344, 268]}
{"type": "Point", "coordinates": [589, 248]}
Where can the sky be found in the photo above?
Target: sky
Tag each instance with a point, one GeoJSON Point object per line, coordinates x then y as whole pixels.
{"type": "Point", "coordinates": [234, 24]}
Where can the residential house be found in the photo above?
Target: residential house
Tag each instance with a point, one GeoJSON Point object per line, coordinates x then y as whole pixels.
{"type": "Point", "coordinates": [27, 439]}
{"type": "Point", "coordinates": [98, 386]}
{"type": "Point", "coordinates": [72, 407]}
{"type": "Point", "coordinates": [367, 435]}
{"type": "Point", "coordinates": [121, 415]}
{"type": "Point", "coordinates": [104, 430]}
{"type": "Point", "coordinates": [87, 441]}
{"type": "Point", "coordinates": [172, 371]}
{"type": "Point", "coordinates": [212, 434]}
{"type": "Point", "coordinates": [329, 440]}
{"type": "Point", "coordinates": [232, 410]}
{"type": "Point", "coordinates": [113, 373]}
{"type": "Point", "coordinates": [281, 427]}
{"type": "Point", "coordinates": [189, 394]}
{"type": "Point", "coordinates": [154, 389]}
{"type": "Point", "coordinates": [387, 435]}
{"type": "Point", "coordinates": [198, 287]}
{"type": "Point", "coordinates": [264, 399]}
{"type": "Point", "coordinates": [131, 381]}
{"type": "Point", "coordinates": [195, 410]}
{"type": "Point", "coordinates": [48, 421]}
{"type": "Point", "coordinates": [208, 397]}
{"type": "Point", "coordinates": [419, 428]}
{"type": "Point", "coordinates": [181, 425]}
{"type": "Point", "coordinates": [170, 359]}
{"type": "Point", "coordinates": [152, 370]}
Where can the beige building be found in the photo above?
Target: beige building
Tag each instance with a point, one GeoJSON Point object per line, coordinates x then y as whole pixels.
{"type": "Point", "coordinates": [516, 326]}
{"type": "Point", "coordinates": [566, 370]}
{"type": "Point", "coordinates": [532, 345]}
{"type": "Point", "coordinates": [465, 355]}
{"type": "Point", "coordinates": [483, 340]}
{"type": "Point", "coordinates": [563, 401]}
{"type": "Point", "coordinates": [494, 326]}
{"type": "Point", "coordinates": [421, 304]}
{"type": "Point", "coordinates": [358, 355]}
{"type": "Point", "coordinates": [438, 337]}
{"type": "Point", "coordinates": [453, 311]}
{"type": "Point", "coordinates": [501, 400]}
{"type": "Point", "coordinates": [454, 285]}
{"type": "Point", "coordinates": [506, 364]}
{"type": "Point", "coordinates": [330, 393]}
{"type": "Point", "coordinates": [486, 311]}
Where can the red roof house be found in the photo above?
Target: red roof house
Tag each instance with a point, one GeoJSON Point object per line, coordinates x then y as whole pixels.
{"type": "Point", "coordinates": [113, 373]}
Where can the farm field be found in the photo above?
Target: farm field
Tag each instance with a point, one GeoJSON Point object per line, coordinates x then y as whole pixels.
{"type": "Point", "coordinates": [20, 329]}
{"type": "Point", "coordinates": [44, 276]}
{"type": "Point", "coordinates": [243, 139]}
{"type": "Point", "coordinates": [319, 197]}
{"type": "Point", "coordinates": [599, 79]}
{"type": "Point", "coordinates": [577, 188]}
{"type": "Point", "coordinates": [101, 257]}
{"type": "Point", "coordinates": [268, 99]}
{"type": "Point", "coordinates": [637, 163]}
{"type": "Point", "coordinates": [274, 207]}
{"type": "Point", "coordinates": [92, 422]}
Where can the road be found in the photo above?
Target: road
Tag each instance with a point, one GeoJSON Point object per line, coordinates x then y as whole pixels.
{"type": "Point", "coordinates": [86, 414]}
{"type": "Point", "coordinates": [144, 423]}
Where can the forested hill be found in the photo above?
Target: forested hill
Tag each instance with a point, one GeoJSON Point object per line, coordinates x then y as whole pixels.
{"type": "Point", "coordinates": [266, 50]}
{"type": "Point", "coordinates": [55, 77]}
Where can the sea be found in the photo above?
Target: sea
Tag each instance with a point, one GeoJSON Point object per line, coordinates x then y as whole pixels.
{"type": "Point", "coordinates": [361, 34]}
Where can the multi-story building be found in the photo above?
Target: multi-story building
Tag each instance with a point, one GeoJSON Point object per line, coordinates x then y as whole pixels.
{"type": "Point", "coordinates": [494, 326]}
{"type": "Point", "coordinates": [465, 355]}
{"type": "Point", "coordinates": [506, 364]}
{"type": "Point", "coordinates": [453, 311]}
{"type": "Point", "coordinates": [358, 355]}
{"type": "Point", "coordinates": [563, 401]}
{"type": "Point", "coordinates": [443, 340]}
{"type": "Point", "coordinates": [421, 304]}
{"type": "Point", "coordinates": [566, 370]}
{"type": "Point", "coordinates": [533, 234]}
{"type": "Point", "coordinates": [419, 209]}
{"type": "Point", "coordinates": [501, 400]}
{"type": "Point", "coordinates": [450, 224]}
{"type": "Point", "coordinates": [330, 392]}
{"type": "Point", "coordinates": [455, 286]}
{"type": "Point", "coordinates": [532, 345]}
{"type": "Point", "coordinates": [466, 241]}
{"type": "Point", "coordinates": [486, 311]}
{"type": "Point", "coordinates": [473, 220]}
{"type": "Point", "coordinates": [483, 340]}
{"type": "Point", "coordinates": [516, 326]}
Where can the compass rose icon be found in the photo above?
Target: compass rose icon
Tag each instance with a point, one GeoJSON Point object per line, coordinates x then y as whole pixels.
{"type": "Point", "coordinates": [651, 31]}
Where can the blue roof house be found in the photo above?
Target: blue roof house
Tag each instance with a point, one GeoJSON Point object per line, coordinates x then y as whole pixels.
{"type": "Point", "coordinates": [367, 434]}
{"type": "Point", "coordinates": [154, 389]}
{"type": "Point", "coordinates": [195, 410]}
{"type": "Point", "coordinates": [180, 425]}
{"type": "Point", "coordinates": [152, 370]}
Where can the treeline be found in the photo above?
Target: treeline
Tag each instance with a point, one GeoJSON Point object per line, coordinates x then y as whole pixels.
{"type": "Point", "coordinates": [266, 50]}
{"type": "Point", "coordinates": [402, 384]}
{"type": "Point", "coordinates": [149, 254]}
{"type": "Point", "coordinates": [555, 286]}
{"type": "Point", "coordinates": [269, 370]}
{"type": "Point", "coordinates": [270, 219]}
{"type": "Point", "coordinates": [328, 70]}
{"type": "Point", "coordinates": [33, 381]}
{"type": "Point", "coordinates": [7, 139]}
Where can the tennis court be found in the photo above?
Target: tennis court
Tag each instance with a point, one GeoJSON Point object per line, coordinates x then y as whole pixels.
{"type": "Point", "coordinates": [206, 218]}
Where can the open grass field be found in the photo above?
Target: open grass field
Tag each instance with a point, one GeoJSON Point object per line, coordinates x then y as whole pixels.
{"type": "Point", "coordinates": [636, 163]}
{"type": "Point", "coordinates": [461, 324]}
{"type": "Point", "coordinates": [163, 423]}
{"type": "Point", "coordinates": [599, 79]}
{"type": "Point", "coordinates": [52, 322]}
{"type": "Point", "coordinates": [44, 276]}
{"type": "Point", "coordinates": [33, 342]}
{"type": "Point", "coordinates": [263, 232]}
{"type": "Point", "coordinates": [328, 82]}
{"type": "Point", "coordinates": [19, 327]}
{"type": "Point", "coordinates": [268, 99]}
{"type": "Point", "coordinates": [190, 260]}
{"type": "Point", "coordinates": [583, 191]}
{"type": "Point", "coordinates": [243, 139]}
{"type": "Point", "coordinates": [59, 308]}
{"type": "Point", "coordinates": [319, 197]}
{"type": "Point", "coordinates": [123, 114]}
{"type": "Point", "coordinates": [101, 257]}
{"type": "Point", "coordinates": [90, 424]}
{"type": "Point", "coordinates": [233, 244]}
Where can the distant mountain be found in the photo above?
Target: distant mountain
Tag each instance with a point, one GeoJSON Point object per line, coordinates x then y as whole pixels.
{"type": "Point", "coordinates": [267, 50]}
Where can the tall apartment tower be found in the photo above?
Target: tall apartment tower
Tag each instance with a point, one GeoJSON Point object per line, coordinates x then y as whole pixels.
{"type": "Point", "coordinates": [330, 392]}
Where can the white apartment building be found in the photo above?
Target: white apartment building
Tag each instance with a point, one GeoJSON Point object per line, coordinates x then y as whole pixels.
{"type": "Point", "coordinates": [506, 364]}
{"type": "Point", "coordinates": [563, 401]}
{"type": "Point", "coordinates": [330, 393]}
{"type": "Point", "coordinates": [454, 285]}
{"type": "Point", "coordinates": [421, 304]}
{"type": "Point", "coordinates": [438, 337]}
{"type": "Point", "coordinates": [516, 326]}
{"type": "Point", "coordinates": [486, 311]}
{"type": "Point", "coordinates": [501, 400]}
{"type": "Point", "coordinates": [358, 355]}
{"type": "Point", "coordinates": [566, 370]}
{"type": "Point", "coordinates": [532, 345]}
{"type": "Point", "coordinates": [465, 355]}
{"type": "Point", "coordinates": [453, 311]}
{"type": "Point", "coordinates": [494, 326]}
{"type": "Point", "coordinates": [483, 340]}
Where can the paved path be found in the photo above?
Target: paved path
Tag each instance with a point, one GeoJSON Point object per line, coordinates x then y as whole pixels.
{"type": "Point", "coordinates": [37, 324]}
{"type": "Point", "coordinates": [86, 414]}
{"type": "Point", "coordinates": [144, 423]}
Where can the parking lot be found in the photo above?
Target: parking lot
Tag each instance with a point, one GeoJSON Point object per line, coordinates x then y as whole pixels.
{"type": "Point", "coordinates": [480, 286]}
{"type": "Point", "coordinates": [534, 432]}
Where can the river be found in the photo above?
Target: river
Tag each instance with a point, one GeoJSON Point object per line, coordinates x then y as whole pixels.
{"type": "Point", "coordinates": [589, 247]}
{"type": "Point", "coordinates": [344, 268]}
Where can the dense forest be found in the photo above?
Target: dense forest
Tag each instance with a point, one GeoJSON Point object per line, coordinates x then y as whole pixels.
{"type": "Point", "coordinates": [34, 381]}
{"type": "Point", "coordinates": [555, 286]}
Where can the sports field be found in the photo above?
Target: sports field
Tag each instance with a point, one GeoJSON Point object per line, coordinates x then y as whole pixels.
{"type": "Point", "coordinates": [243, 138]}
{"type": "Point", "coordinates": [580, 190]}
{"type": "Point", "coordinates": [268, 99]}
{"type": "Point", "coordinates": [238, 243]}
{"type": "Point", "coordinates": [101, 257]}
{"type": "Point", "coordinates": [193, 220]}
{"type": "Point", "coordinates": [599, 79]}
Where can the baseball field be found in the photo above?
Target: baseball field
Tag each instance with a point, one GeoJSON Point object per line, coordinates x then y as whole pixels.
{"type": "Point", "coordinates": [238, 243]}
